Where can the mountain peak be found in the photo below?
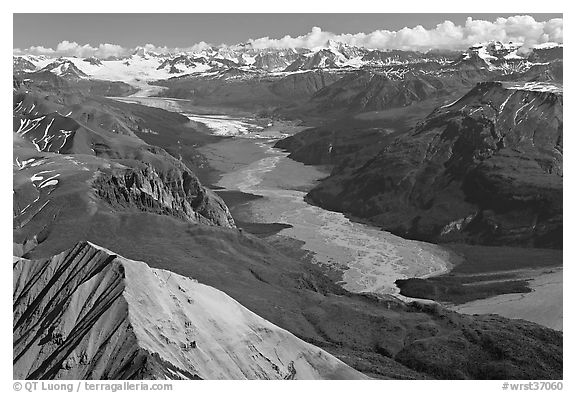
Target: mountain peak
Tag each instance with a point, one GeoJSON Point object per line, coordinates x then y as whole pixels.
{"type": "Point", "coordinates": [144, 52]}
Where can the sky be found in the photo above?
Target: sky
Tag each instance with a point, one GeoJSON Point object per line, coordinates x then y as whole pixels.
{"type": "Point", "coordinates": [84, 33]}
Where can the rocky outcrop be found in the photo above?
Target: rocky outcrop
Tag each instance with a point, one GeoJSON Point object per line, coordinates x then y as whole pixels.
{"type": "Point", "coordinates": [90, 314]}
{"type": "Point", "coordinates": [175, 192]}
{"type": "Point", "coordinates": [485, 169]}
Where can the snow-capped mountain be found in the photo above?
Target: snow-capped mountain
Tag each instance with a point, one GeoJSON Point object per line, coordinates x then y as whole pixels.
{"type": "Point", "coordinates": [30, 63]}
{"type": "Point", "coordinates": [508, 58]}
{"type": "Point", "coordinates": [275, 60]}
{"type": "Point", "coordinates": [333, 55]}
{"type": "Point", "coordinates": [22, 64]}
{"type": "Point", "coordinates": [66, 69]}
{"type": "Point", "coordinates": [245, 61]}
{"type": "Point", "coordinates": [492, 53]}
{"type": "Point", "coordinates": [184, 64]}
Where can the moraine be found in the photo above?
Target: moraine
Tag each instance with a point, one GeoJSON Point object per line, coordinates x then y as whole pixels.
{"type": "Point", "coordinates": [370, 260]}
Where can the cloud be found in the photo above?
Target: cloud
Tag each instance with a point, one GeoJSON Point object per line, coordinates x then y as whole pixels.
{"type": "Point", "coordinates": [447, 35]}
{"type": "Point", "coordinates": [67, 48]}
{"type": "Point", "coordinates": [35, 50]}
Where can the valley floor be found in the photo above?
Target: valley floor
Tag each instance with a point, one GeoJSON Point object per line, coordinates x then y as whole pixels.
{"type": "Point", "coordinates": [543, 305]}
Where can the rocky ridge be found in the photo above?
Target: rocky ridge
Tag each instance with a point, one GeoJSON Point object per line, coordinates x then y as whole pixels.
{"type": "Point", "coordinates": [88, 313]}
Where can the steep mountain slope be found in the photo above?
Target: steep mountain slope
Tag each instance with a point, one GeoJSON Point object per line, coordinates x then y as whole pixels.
{"type": "Point", "coordinates": [486, 168]}
{"type": "Point", "coordinates": [84, 102]}
{"type": "Point", "coordinates": [364, 91]}
{"type": "Point", "coordinates": [89, 314]}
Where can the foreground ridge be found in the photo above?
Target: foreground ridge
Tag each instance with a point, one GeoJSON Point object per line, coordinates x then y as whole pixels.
{"type": "Point", "coordinates": [87, 313]}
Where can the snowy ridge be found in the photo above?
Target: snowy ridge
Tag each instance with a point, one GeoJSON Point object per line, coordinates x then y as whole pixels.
{"type": "Point", "coordinates": [149, 323]}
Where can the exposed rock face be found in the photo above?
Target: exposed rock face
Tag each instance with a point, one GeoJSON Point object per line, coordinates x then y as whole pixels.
{"type": "Point", "coordinates": [485, 169]}
{"type": "Point", "coordinates": [89, 314]}
{"type": "Point", "coordinates": [275, 60]}
{"type": "Point", "coordinates": [174, 192]}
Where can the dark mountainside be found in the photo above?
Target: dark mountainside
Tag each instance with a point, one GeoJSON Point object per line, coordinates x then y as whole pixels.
{"type": "Point", "coordinates": [486, 169]}
{"type": "Point", "coordinates": [366, 91]}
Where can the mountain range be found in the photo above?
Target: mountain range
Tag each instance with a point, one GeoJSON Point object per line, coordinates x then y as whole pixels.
{"type": "Point", "coordinates": [147, 65]}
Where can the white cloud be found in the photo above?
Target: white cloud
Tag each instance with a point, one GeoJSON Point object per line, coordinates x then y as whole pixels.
{"type": "Point", "coordinates": [524, 29]}
{"type": "Point", "coordinates": [447, 35]}
{"type": "Point", "coordinates": [35, 50]}
{"type": "Point", "coordinates": [67, 48]}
